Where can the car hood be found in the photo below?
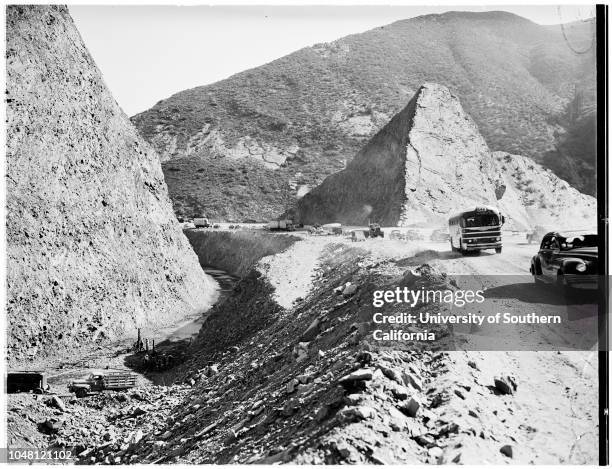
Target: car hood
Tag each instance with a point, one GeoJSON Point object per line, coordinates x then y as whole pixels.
{"type": "Point", "coordinates": [582, 252]}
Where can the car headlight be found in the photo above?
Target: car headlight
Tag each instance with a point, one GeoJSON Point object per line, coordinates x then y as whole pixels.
{"type": "Point", "coordinates": [581, 267]}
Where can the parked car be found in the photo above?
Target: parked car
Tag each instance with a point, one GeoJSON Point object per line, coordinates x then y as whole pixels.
{"type": "Point", "coordinates": [567, 259]}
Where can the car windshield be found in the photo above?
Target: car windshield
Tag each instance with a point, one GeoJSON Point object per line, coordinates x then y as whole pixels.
{"type": "Point", "coordinates": [486, 219]}
{"type": "Point", "coordinates": [582, 241]}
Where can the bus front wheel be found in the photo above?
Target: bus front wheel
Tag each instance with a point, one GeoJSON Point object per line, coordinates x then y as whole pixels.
{"type": "Point", "coordinates": [461, 250]}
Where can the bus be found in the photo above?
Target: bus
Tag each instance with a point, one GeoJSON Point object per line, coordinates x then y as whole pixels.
{"type": "Point", "coordinates": [476, 229]}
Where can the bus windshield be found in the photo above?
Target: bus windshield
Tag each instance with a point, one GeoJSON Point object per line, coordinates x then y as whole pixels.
{"type": "Point", "coordinates": [481, 219]}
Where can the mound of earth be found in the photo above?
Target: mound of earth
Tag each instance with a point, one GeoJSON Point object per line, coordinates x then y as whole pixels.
{"type": "Point", "coordinates": [431, 161]}
{"type": "Point", "coordinates": [93, 245]}
{"type": "Point", "coordinates": [281, 128]}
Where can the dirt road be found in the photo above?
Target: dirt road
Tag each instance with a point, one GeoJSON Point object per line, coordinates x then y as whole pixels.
{"type": "Point", "coordinates": [553, 416]}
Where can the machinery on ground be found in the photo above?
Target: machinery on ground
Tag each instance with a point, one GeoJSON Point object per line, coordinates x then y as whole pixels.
{"type": "Point", "coordinates": [375, 231]}
{"type": "Point", "coordinates": [26, 381]}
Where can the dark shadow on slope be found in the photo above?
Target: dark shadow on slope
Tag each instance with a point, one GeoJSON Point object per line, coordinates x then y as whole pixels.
{"type": "Point", "coordinates": [542, 294]}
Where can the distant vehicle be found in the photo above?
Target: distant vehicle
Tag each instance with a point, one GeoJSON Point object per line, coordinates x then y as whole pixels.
{"type": "Point", "coordinates": [440, 235]}
{"type": "Point", "coordinates": [413, 235]}
{"type": "Point", "coordinates": [358, 235]}
{"type": "Point", "coordinates": [536, 234]}
{"type": "Point", "coordinates": [397, 234]}
{"type": "Point", "coordinates": [216, 226]}
{"type": "Point", "coordinates": [201, 222]}
{"type": "Point", "coordinates": [317, 231]}
{"type": "Point", "coordinates": [375, 231]}
{"type": "Point", "coordinates": [116, 381]}
{"type": "Point", "coordinates": [476, 229]}
{"type": "Point", "coordinates": [567, 260]}
{"type": "Point", "coordinates": [333, 228]}
{"type": "Point", "coordinates": [281, 225]}
{"type": "Point", "coordinates": [26, 381]}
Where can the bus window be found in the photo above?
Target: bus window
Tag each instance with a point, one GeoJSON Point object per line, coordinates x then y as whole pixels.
{"type": "Point", "coordinates": [481, 220]}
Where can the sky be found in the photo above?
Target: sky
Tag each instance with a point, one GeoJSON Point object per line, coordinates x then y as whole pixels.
{"type": "Point", "coordinates": [146, 53]}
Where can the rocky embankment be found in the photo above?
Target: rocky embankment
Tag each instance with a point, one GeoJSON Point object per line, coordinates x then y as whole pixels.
{"type": "Point", "coordinates": [93, 244]}
{"type": "Point", "coordinates": [431, 161]}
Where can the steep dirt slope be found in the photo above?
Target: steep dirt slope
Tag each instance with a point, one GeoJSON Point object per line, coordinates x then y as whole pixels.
{"type": "Point", "coordinates": [93, 245]}
{"type": "Point", "coordinates": [430, 161]}
{"type": "Point", "coordinates": [290, 123]}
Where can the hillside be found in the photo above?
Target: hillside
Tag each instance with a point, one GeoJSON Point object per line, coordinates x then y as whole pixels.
{"type": "Point", "coordinates": [430, 161]}
{"type": "Point", "coordinates": [93, 247]}
{"type": "Point", "coordinates": [272, 132]}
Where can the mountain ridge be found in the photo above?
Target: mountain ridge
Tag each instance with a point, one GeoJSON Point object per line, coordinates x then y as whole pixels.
{"type": "Point", "coordinates": [301, 117]}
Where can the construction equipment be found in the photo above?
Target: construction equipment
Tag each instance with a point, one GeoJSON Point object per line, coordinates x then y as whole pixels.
{"type": "Point", "coordinates": [98, 382]}
{"type": "Point", "coordinates": [375, 231]}
{"type": "Point", "coordinates": [26, 381]}
{"type": "Point", "coordinates": [160, 361]}
{"type": "Point", "coordinates": [201, 222]}
{"type": "Point", "coordinates": [138, 345]}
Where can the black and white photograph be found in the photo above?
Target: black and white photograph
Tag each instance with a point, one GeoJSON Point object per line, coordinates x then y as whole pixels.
{"type": "Point", "coordinates": [294, 233]}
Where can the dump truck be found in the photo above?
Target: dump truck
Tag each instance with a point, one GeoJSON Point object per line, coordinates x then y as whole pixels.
{"type": "Point", "coordinates": [26, 381]}
{"type": "Point", "coordinates": [98, 382]}
{"type": "Point", "coordinates": [201, 222]}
